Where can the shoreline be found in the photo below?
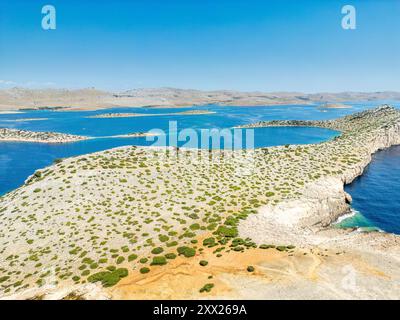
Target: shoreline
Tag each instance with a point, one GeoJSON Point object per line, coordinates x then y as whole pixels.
{"type": "Point", "coordinates": [324, 196]}
{"type": "Point", "coordinates": [50, 137]}
{"type": "Point", "coordinates": [296, 209]}
{"type": "Point", "coordinates": [17, 135]}
{"type": "Point", "coordinates": [93, 99]}
{"type": "Point", "coordinates": [133, 115]}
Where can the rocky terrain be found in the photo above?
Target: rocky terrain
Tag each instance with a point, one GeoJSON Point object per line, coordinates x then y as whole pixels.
{"type": "Point", "coordinates": [63, 99]}
{"type": "Point", "coordinates": [323, 201]}
{"type": "Point", "coordinates": [137, 222]}
{"type": "Point", "coordinates": [16, 135]}
{"type": "Point", "coordinates": [132, 115]}
{"type": "Point", "coordinates": [334, 106]}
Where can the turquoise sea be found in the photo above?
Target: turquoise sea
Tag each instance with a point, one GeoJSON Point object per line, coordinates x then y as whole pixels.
{"type": "Point", "coordinates": [19, 160]}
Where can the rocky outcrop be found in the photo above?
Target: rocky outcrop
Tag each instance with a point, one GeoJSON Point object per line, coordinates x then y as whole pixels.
{"type": "Point", "coordinates": [334, 106]}
{"type": "Point", "coordinates": [42, 137]}
{"type": "Point", "coordinates": [324, 200]}
{"type": "Point", "coordinates": [132, 115]}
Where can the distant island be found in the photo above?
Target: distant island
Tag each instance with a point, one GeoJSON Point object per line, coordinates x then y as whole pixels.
{"type": "Point", "coordinates": [91, 98]}
{"type": "Point", "coordinates": [132, 115]}
{"type": "Point", "coordinates": [334, 106]}
{"type": "Point", "coordinates": [133, 135]}
{"type": "Point", "coordinates": [26, 119]}
{"type": "Point", "coordinates": [16, 135]}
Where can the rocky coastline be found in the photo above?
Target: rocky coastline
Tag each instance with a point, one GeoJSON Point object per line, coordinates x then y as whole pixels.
{"type": "Point", "coordinates": [133, 115]}
{"type": "Point", "coordinates": [114, 214]}
{"type": "Point", "coordinates": [15, 135]}
{"type": "Point", "coordinates": [324, 200]}
{"type": "Point", "coordinates": [334, 106]}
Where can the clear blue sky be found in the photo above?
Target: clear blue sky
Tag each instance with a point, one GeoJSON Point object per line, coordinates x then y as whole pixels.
{"type": "Point", "coordinates": [279, 45]}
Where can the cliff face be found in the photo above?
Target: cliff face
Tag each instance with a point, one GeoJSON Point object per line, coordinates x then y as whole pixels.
{"type": "Point", "coordinates": [328, 196]}
{"type": "Point", "coordinates": [385, 138]}
{"type": "Point", "coordinates": [324, 200]}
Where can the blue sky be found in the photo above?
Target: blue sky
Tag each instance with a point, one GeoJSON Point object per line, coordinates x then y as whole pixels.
{"type": "Point", "coordinates": [277, 45]}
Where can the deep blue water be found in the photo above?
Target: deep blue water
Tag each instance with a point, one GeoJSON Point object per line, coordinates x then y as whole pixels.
{"type": "Point", "coordinates": [376, 194]}
{"type": "Point", "coordinates": [19, 160]}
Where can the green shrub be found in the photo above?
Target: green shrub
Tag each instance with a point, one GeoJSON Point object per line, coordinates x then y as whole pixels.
{"type": "Point", "coordinates": [266, 246]}
{"type": "Point", "coordinates": [231, 221]}
{"type": "Point", "coordinates": [207, 287]}
{"type": "Point", "coordinates": [157, 250]}
{"type": "Point", "coordinates": [195, 226]}
{"type": "Point", "coordinates": [4, 278]}
{"type": "Point", "coordinates": [94, 265]}
{"type": "Point", "coordinates": [172, 244]}
{"type": "Point", "coordinates": [132, 257]}
{"type": "Point", "coordinates": [227, 232]}
{"type": "Point", "coordinates": [211, 226]}
{"type": "Point", "coordinates": [163, 238]}
{"type": "Point", "coordinates": [108, 278]}
{"type": "Point", "coordinates": [85, 273]}
{"type": "Point", "coordinates": [203, 263]}
{"type": "Point", "coordinates": [144, 270]}
{"type": "Point", "coordinates": [250, 268]}
{"type": "Point", "coordinates": [209, 242]}
{"type": "Point", "coordinates": [120, 259]}
{"type": "Point", "coordinates": [238, 248]}
{"type": "Point", "coordinates": [193, 216]}
{"type": "Point", "coordinates": [186, 251]}
{"type": "Point", "coordinates": [170, 255]}
{"type": "Point", "coordinates": [281, 248]}
{"type": "Point", "coordinates": [121, 272]}
{"type": "Point", "coordinates": [237, 242]}
{"type": "Point", "coordinates": [158, 261]}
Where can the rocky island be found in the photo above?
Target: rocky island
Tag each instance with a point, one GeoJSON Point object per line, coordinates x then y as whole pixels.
{"type": "Point", "coordinates": [334, 106]}
{"type": "Point", "coordinates": [143, 222]}
{"type": "Point", "coordinates": [16, 135]}
{"type": "Point", "coordinates": [134, 135]}
{"type": "Point", "coordinates": [132, 115]}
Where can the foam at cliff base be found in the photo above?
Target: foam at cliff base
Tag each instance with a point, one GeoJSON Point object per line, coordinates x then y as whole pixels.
{"type": "Point", "coordinates": [355, 219]}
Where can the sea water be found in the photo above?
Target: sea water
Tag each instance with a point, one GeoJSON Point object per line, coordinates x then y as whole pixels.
{"type": "Point", "coordinates": [376, 194]}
